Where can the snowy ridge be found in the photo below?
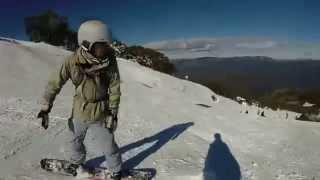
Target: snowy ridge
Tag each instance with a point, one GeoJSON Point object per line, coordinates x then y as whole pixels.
{"type": "Point", "coordinates": [169, 124]}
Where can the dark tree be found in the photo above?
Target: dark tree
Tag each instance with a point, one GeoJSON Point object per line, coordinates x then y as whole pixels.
{"type": "Point", "coordinates": [151, 58]}
{"type": "Point", "coordinates": [51, 28]}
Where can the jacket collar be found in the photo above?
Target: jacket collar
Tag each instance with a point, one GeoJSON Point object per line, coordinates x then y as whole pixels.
{"type": "Point", "coordinates": [84, 57]}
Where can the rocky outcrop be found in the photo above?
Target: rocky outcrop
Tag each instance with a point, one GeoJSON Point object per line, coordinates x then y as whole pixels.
{"type": "Point", "coordinates": [144, 56]}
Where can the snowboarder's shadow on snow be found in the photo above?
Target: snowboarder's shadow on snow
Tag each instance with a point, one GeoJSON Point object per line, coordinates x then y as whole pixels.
{"type": "Point", "coordinates": [220, 164]}
{"type": "Point", "coordinates": [160, 140]}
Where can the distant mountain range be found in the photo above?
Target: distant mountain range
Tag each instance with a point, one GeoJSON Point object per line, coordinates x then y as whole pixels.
{"type": "Point", "coordinates": [237, 46]}
{"type": "Point", "coordinates": [252, 77]}
{"type": "Point", "coordinates": [260, 73]}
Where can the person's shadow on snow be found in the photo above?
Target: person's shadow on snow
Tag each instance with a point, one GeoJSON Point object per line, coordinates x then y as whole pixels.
{"type": "Point", "coordinates": [220, 163]}
{"type": "Point", "coordinates": [159, 140]}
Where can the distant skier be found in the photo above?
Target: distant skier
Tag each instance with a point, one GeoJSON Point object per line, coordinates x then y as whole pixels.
{"type": "Point", "coordinates": [94, 72]}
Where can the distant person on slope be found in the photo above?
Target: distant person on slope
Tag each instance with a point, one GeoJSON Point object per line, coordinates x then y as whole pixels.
{"type": "Point", "coordinates": [94, 72]}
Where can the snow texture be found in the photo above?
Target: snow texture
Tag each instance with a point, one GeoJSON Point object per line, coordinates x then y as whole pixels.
{"type": "Point", "coordinates": [181, 129]}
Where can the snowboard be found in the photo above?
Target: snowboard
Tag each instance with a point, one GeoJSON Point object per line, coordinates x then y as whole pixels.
{"type": "Point", "coordinates": [64, 167]}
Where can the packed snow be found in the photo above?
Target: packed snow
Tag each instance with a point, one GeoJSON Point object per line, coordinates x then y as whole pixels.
{"type": "Point", "coordinates": [180, 129]}
{"type": "Point", "coordinates": [307, 104]}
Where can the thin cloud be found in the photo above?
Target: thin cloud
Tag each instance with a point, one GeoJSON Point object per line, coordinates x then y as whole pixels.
{"type": "Point", "coordinates": [230, 47]}
{"type": "Point", "coordinates": [257, 45]}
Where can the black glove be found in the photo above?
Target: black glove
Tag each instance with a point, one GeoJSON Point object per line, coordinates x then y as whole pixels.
{"type": "Point", "coordinates": [112, 120]}
{"type": "Point", "coordinates": [44, 115]}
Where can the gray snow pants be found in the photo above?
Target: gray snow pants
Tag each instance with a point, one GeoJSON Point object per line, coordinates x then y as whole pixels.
{"type": "Point", "coordinates": [95, 140]}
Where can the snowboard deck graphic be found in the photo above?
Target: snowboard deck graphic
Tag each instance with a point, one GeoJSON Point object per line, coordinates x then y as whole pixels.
{"type": "Point", "coordinates": [64, 167]}
{"type": "Point", "coordinates": [133, 174]}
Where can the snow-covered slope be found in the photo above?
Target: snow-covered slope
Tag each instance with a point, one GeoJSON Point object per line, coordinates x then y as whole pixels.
{"type": "Point", "coordinates": [169, 124]}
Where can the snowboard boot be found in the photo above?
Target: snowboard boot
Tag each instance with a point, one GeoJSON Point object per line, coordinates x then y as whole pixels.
{"type": "Point", "coordinates": [115, 176]}
{"type": "Point", "coordinates": [82, 173]}
{"type": "Point", "coordinates": [99, 174]}
{"type": "Point", "coordinates": [112, 175]}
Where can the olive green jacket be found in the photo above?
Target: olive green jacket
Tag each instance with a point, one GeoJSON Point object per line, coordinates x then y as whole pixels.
{"type": "Point", "coordinates": [94, 95]}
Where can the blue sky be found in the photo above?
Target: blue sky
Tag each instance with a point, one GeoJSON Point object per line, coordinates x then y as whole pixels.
{"type": "Point", "coordinates": [143, 21]}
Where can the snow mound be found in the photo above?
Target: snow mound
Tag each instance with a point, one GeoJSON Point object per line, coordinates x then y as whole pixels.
{"type": "Point", "coordinates": [181, 129]}
{"type": "Point", "coordinates": [27, 65]}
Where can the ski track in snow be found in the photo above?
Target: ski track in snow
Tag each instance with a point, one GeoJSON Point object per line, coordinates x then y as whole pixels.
{"type": "Point", "coordinates": [166, 123]}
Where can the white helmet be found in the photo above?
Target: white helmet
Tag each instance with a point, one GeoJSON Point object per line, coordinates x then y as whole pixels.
{"type": "Point", "coordinates": [93, 31]}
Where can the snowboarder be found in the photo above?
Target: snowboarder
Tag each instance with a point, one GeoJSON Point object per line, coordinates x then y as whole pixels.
{"type": "Point", "coordinates": [94, 72]}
